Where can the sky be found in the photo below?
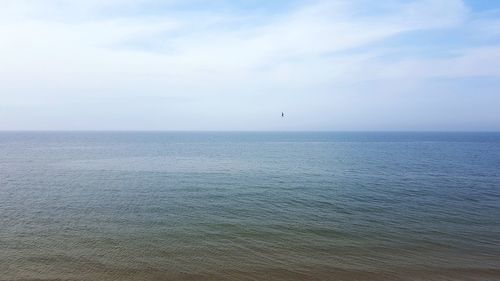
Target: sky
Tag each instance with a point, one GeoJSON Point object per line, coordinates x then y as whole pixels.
{"type": "Point", "coordinates": [360, 65]}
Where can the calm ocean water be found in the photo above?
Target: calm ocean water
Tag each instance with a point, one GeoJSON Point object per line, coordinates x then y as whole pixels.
{"type": "Point", "coordinates": [249, 206]}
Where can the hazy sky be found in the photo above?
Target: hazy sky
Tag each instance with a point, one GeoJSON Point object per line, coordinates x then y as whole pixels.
{"type": "Point", "coordinates": [236, 65]}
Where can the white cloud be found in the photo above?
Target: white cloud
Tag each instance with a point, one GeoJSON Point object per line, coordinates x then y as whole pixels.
{"type": "Point", "coordinates": [183, 42]}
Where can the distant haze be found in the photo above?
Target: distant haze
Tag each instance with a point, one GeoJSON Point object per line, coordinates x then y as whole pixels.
{"type": "Point", "coordinates": [236, 65]}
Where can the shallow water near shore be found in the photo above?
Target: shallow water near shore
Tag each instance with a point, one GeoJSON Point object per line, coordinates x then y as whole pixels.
{"type": "Point", "coordinates": [249, 206]}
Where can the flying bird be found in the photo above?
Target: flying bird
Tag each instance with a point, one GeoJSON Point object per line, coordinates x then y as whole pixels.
{"type": "Point", "coordinates": [282, 114]}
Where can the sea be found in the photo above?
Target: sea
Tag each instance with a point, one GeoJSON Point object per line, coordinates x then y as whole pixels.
{"type": "Point", "coordinates": [249, 206]}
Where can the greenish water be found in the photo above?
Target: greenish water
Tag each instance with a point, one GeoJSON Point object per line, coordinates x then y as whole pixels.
{"type": "Point", "coordinates": [249, 206]}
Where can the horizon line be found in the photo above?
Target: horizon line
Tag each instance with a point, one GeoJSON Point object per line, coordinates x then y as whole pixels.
{"type": "Point", "coordinates": [248, 131]}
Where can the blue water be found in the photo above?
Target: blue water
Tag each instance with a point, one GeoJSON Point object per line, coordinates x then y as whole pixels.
{"type": "Point", "coordinates": [249, 206]}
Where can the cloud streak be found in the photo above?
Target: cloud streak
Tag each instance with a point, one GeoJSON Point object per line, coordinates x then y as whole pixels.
{"type": "Point", "coordinates": [217, 62]}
